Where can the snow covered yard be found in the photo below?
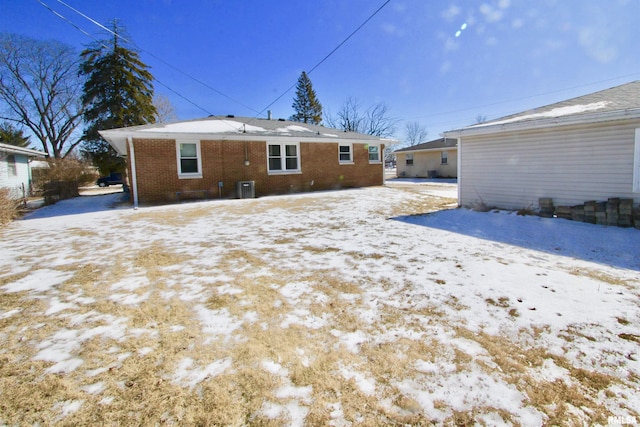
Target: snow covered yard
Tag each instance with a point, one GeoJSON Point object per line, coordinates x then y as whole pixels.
{"type": "Point", "coordinates": [336, 308]}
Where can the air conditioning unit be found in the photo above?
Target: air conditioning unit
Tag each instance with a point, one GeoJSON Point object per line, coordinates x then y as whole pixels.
{"type": "Point", "coordinates": [246, 189]}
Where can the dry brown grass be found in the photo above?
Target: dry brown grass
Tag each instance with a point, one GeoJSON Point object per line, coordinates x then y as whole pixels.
{"type": "Point", "coordinates": [558, 398]}
{"type": "Point", "coordinates": [8, 207]}
{"type": "Point", "coordinates": [129, 378]}
{"type": "Point", "coordinates": [599, 276]}
{"type": "Point", "coordinates": [420, 204]}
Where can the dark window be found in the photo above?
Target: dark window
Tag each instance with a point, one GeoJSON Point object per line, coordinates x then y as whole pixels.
{"type": "Point", "coordinates": [283, 157]}
{"type": "Point", "coordinates": [188, 158]}
{"type": "Point", "coordinates": [344, 153]}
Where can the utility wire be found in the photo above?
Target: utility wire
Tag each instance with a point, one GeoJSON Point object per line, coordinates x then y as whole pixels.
{"type": "Point", "coordinates": [66, 20]}
{"type": "Point", "coordinates": [326, 57]}
{"type": "Point", "coordinates": [258, 113]}
{"type": "Point", "coordinates": [444, 113]}
{"type": "Point", "coordinates": [349, 36]}
{"type": "Point", "coordinates": [106, 47]}
{"type": "Point", "coordinates": [184, 73]}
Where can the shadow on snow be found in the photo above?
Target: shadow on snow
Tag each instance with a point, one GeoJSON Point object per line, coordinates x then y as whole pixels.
{"type": "Point", "coordinates": [614, 246]}
{"type": "Point", "coordinates": [81, 205]}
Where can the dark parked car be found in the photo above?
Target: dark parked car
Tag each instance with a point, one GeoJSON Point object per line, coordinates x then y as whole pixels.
{"type": "Point", "coordinates": [113, 179]}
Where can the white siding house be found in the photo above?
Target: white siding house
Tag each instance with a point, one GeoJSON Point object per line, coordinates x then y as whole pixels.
{"type": "Point", "coordinates": [15, 169]}
{"type": "Point", "coordinates": [582, 149]}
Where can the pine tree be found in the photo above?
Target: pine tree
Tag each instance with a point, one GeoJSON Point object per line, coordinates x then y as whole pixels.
{"type": "Point", "coordinates": [308, 108]}
{"type": "Point", "coordinates": [9, 134]}
{"type": "Point", "coordinates": [118, 92]}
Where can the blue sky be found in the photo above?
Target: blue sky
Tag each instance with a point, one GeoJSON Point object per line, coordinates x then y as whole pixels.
{"type": "Point", "coordinates": [440, 63]}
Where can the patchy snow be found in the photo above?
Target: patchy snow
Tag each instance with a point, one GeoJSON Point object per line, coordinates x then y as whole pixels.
{"type": "Point", "coordinates": [554, 112]}
{"type": "Point", "coordinates": [205, 126]}
{"type": "Point", "coordinates": [38, 281]}
{"type": "Point", "coordinates": [293, 128]}
{"type": "Point", "coordinates": [446, 279]}
{"type": "Point", "coordinates": [189, 376]}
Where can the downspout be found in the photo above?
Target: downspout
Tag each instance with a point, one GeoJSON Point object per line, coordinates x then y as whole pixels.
{"type": "Point", "coordinates": [459, 166]}
{"type": "Point", "coordinates": [384, 163]}
{"type": "Point", "coordinates": [134, 178]}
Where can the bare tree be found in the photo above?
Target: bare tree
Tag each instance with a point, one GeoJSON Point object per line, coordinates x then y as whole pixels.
{"type": "Point", "coordinates": [376, 120]}
{"type": "Point", "coordinates": [165, 111]}
{"type": "Point", "coordinates": [379, 122]}
{"type": "Point", "coordinates": [40, 88]}
{"type": "Point", "coordinates": [349, 118]}
{"type": "Point", "coordinates": [415, 133]}
{"type": "Point", "coordinates": [480, 119]}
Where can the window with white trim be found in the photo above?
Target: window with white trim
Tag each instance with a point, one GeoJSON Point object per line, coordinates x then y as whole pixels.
{"type": "Point", "coordinates": [283, 158]}
{"type": "Point", "coordinates": [444, 158]}
{"type": "Point", "coordinates": [409, 159]}
{"type": "Point", "coordinates": [636, 163]}
{"type": "Point", "coordinates": [189, 159]}
{"type": "Point", "coordinates": [344, 153]}
{"type": "Point", "coordinates": [374, 154]}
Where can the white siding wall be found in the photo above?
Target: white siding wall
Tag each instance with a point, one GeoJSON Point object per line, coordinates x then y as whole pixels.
{"type": "Point", "coordinates": [23, 176]}
{"type": "Point", "coordinates": [569, 164]}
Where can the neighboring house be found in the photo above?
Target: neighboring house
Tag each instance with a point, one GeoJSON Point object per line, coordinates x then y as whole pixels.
{"type": "Point", "coordinates": [581, 149]}
{"type": "Point", "coordinates": [433, 159]}
{"type": "Point", "coordinates": [15, 168]}
{"type": "Point", "coordinates": [243, 157]}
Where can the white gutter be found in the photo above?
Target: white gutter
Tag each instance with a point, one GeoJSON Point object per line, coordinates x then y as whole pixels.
{"type": "Point", "coordinates": [134, 177]}
{"type": "Point", "coordinates": [20, 150]}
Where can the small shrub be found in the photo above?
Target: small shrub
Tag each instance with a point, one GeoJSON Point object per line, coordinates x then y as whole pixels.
{"type": "Point", "coordinates": [70, 170]}
{"type": "Point", "coordinates": [63, 177]}
{"type": "Point", "coordinates": [8, 207]}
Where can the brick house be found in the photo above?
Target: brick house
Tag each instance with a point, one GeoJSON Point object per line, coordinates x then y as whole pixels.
{"type": "Point", "coordinates": [226, 157]}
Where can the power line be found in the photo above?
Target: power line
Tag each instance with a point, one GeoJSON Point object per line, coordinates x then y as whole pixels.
{"type": "Point", "coordinates": [444, 113]}
{"type": "Point", "coordinates": [65, 19]}
{"type": "Point", "coordinates": [106, 47]}
{"type": "Point", "coordinates": [326, 57]}
{"type": "Point", "coordinates": [184, 73]}
{"type": "Point", "coordinates": [349, 36]}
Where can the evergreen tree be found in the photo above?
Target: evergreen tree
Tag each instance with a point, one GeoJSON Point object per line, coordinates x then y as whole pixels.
{"type": "Point", "coordinates": [308, 108]}
{"type": "Point", "coordinates": [9, 134]}
{"type": "Point", "coordinates": [118, 92]}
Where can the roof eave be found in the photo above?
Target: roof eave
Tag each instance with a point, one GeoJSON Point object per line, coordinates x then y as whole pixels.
{"type": "Point", "coordinates": [117, 138]}
{"type": "Point", "coordinates": [22, 150]}
{"type": "Point", "coordinates": [420, 150]}
{"type": "Point", "coordinates": [544, 123]}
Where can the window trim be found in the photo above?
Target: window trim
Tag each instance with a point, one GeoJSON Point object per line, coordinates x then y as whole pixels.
{"type": "Point", "coordinates": [283, 158]}
{"type": "Point", "coordinates": [444, 157]}
{"type": "Point", "coordinates": [350, 146]}
{"type": "Point", "coordinates": [12, 166]}
{"type": "Point", "coordinates": [189, 175]}
{"type": "Point", "coordinates": [636, 163]}
{"type": "Point", "coordinates": [379, 160]}
{"type": "Point", "coordinates": [408, 159]}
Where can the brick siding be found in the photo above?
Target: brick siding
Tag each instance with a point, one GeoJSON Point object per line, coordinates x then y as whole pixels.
{"type": "Point", "coordinates": [224, 161]}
